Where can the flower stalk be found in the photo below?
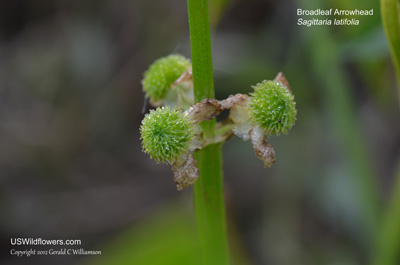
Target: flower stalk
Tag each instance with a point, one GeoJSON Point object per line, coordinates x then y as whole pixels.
{"type": "Point", "coordinates": [208, 190]}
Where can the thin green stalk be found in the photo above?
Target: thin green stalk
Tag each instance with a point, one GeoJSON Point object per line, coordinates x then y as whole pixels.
{"type": "Point", "coordinates": [210, 206]}
{"type": "Point", "coordinates": [208, 192]}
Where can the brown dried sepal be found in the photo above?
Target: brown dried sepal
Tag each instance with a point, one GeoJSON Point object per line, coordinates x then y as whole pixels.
{"type": "Point", "coordinates": [185, 171]}
{"type": "Point", "coordinates": [207, 109]}
{"type": "Point", "coordinates": [239, 115]}
{"type": "Point", "coordinates": [185, 77]}
{"type": "Point", "coordinates": [280, 77]}
{"type": "Point", "coordinates": [232, 101]}
{"type": "Point", "coordinates": [262, 149]}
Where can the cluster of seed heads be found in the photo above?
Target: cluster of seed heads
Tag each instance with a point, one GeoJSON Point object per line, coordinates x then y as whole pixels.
{"type": "Point", "coordinates": [172, 135]}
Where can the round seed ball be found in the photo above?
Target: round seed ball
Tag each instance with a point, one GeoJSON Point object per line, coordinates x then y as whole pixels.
{"type": "Point", "coordinates": [272, 107]}
{"type": "Point", "coordinates": [166, 134]}
{"type": "Point", "coordinates": [162, 73]}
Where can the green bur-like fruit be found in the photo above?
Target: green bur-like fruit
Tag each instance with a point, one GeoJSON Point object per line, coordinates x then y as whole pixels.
{"type": "Point", "coordinates": [166, 134]}
{"type": "Point", "coordinates": [162, 73]}
{"type": "Point", "coordinates": [272, 107]}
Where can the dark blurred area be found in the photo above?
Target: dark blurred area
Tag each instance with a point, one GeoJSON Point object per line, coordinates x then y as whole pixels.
{"type": "Point", "coordinates": [71, 165]}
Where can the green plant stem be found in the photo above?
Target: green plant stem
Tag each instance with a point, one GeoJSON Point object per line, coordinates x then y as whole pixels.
{"type": "Point", "coordinates": [210, 206]}
{"type": "Point", "coordinates": [391, 24]}
{"type": "Point", "coordinates": [208, 193]}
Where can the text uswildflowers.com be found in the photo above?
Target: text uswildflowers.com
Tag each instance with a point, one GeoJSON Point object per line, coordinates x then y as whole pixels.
{"type": "Point", "coordinates": [19, 241]}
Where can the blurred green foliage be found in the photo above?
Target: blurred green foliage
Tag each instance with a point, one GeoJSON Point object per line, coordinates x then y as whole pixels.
{"type": "Point", "coordinates": [166, 237]}
{"type": "Point", "coordinates": [70, 110]}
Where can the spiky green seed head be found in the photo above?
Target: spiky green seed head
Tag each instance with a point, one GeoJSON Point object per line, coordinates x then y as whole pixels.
{"type": "Point", "coordinates": [272, 107]}
{"type": "Point", "coordinates": [162, 73]}
{"type": "Point", "coordinates": [166, 134]}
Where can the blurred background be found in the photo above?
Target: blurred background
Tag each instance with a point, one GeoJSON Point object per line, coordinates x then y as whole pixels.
{"type": "Point", "coordinates": [71, 165]}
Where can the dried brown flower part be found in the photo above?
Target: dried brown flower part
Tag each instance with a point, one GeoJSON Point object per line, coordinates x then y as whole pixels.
{"type": "Point", "coordinates": [235, 100]}
{"type": "Point", "coordinates": [262, 149]}
{"type": "Point", "coordinates": [207, 109]}
{"type": "Point", "coordinates": [280, 77]}
{"type": "Point", "coordinates": [185, 171]}
{"type": "Point", "coordinates": [239, 115]}
{"type": "Point", "coordinates": [244, 129]}
{"type": "Point", "coordinates": [185, 77]}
